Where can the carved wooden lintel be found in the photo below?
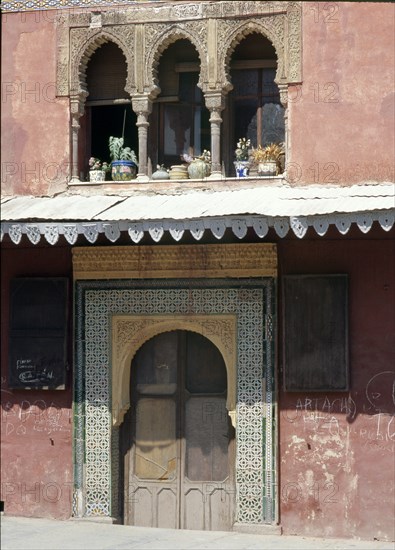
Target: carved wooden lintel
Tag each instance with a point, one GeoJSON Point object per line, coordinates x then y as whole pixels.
{"type": "Point", "coordinates": [180, 261]}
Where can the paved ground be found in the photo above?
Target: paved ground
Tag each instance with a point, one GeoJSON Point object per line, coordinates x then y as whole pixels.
{"type": "Point", "coordinates": [46, 534]}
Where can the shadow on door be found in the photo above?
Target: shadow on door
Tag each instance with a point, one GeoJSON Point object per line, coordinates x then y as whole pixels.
{"type": "Point", "coordinates": [177, 444]}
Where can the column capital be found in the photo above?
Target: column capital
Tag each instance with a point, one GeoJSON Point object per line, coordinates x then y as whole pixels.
{"type": "Point", "coordinates": [283, 89]}
{"type": "Point", "coordinates": [142, 104]}
{"type": "Point", "coordinates": [215, 100]}
{"type": "Point", "coordinates": [77, 107]}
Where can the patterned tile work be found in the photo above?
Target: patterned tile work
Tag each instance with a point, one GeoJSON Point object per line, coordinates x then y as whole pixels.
{"type": "Point", "coordinates": [30, 5]}
{"type": "Point", "coordinates": [96, 303]}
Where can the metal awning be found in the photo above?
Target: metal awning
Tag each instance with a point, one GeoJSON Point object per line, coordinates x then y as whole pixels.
{"type": "Point", "coordinates": [197, 210]}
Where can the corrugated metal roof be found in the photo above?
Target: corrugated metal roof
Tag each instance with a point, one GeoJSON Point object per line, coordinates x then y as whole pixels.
{"type": "Point", "coordinates": [276, 201]}
{"type": "Point", "coordinates": [75, 207]}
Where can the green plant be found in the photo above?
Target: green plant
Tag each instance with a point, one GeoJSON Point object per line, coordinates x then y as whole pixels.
{"type": "Point", "coordinates": [97, 164]}
{"type": "Point", "coordinates": [119, 152]}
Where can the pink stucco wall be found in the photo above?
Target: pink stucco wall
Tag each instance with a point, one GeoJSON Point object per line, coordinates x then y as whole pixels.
{"type": "Point", "coordinates": [35, 124]}
{"type": "Point", "coordinates": [36, 425]}
{"type": "Point", "coordinates": [340, 117]}
{"type": "Point", "coordinates": [336, 449]}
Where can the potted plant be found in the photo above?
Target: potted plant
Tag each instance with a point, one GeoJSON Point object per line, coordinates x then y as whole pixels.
{"type": "Point", "coordinates": [97, 170]}
{"type": "Point", "coordinates": [268, 158]}
{"type": "Point", "coordinates": [242, 154]}
{"type": "Point", "coordinates": [198, 167]}
{"type": "Point", "coordinates": [123, 160]}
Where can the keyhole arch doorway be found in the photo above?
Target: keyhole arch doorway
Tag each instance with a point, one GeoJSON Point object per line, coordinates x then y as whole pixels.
{"type": "Point", "coordinates": [177, 444]}
{"type": "Point", "coordinates": [130, 332]}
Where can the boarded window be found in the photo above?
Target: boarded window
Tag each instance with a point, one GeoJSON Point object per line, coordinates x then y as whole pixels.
{"type": "Point", "coordinates": [38, 333]}
{"type": "Point", "coordinates": [315, 333]}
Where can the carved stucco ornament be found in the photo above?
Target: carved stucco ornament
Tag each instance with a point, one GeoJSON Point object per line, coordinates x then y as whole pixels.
{"type": "Point", "coordinates": [143, 34]}
{"type": "Point", "coordinates": [85, 41]}
{"type": "Point", "coordinates": [130, 332]}
{"type": "Point", "coordinates": [160, 37]}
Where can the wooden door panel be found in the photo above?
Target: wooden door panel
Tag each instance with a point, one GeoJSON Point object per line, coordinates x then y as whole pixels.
{"type": "Point", "coordinates": [181, 442]}
{"type": "Point", "coordinates": [220, 507]}
{"type": "Point", "coordinates": [206, 439]}
{"type": "Point", "coordinates": [167, 508]}
{"type": "Point", "coordinates": [156, 442]}
{"type": "Point", "coordinates": [156, 365]}
{"type": "Point", "coordinates": [193, 509]}
{"type": "Point", "coordinates": [141, 510]}
{"type": "Point", "coordinates": [205, 368]}
{"type": "Point", "coordinates": [152, 505]}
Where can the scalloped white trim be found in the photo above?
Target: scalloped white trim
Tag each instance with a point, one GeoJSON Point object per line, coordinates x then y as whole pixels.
{"type": "Point", "coordinates": [239, 226]}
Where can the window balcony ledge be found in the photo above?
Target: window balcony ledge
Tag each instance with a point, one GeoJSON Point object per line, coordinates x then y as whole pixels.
{"type": "Point", "coordinates": [178, 186]}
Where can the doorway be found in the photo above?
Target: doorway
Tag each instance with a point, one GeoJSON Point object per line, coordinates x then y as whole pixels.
{"type": "Point", "coordinates": [177, 444]}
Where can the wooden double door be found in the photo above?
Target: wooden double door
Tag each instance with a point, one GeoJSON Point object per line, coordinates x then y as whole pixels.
{"type": "Point", "coordinates": [177, 439]}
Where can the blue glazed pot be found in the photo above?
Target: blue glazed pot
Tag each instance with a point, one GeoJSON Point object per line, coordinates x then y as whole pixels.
{"type": "Point", "coordinates": [123, 170]}
{"type": "Point", "coordinates": [242, 167]}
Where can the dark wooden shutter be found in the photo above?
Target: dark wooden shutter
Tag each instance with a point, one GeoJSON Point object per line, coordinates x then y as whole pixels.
{"type": "Point", "coordinates": [315, 333]}
{"type": "Point", "coordinates": [38, 333]}
{"type": "Point", "coordinates": [106, 74]}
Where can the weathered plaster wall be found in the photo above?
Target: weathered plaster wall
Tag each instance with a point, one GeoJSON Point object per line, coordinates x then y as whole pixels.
{"type": "Point", "coordinates": [35, 127]}
{"type": "Point", "coordinates": [342, 116]}
{"type": "Point", "coordinates": [337, 449]}
{"type": "Point", "coordinates": [36, 426]}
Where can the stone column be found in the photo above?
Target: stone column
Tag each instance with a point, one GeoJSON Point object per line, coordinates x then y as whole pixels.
{"type": "Point", "coordinates": [142, 106]}
{"type": "Point", "coordinates": [283, 88]}
{"type": "Point", "coordinates": [215, 104]}
{"type": "Point", "coordinates": [76, 110]}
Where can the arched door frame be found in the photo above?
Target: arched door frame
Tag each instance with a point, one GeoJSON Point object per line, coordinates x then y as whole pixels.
{"type": "Point", "coordinates": [130, 332]}
{"type": "Point", "coordinates": [208, 289]}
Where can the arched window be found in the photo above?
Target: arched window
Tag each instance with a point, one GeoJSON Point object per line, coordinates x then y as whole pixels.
{"type": "Point", "coordinates": [180, 120]}
{"type": "Point", "coordinates": [254, 109]}
{"type": "Point", "coordinates": [108, 109]}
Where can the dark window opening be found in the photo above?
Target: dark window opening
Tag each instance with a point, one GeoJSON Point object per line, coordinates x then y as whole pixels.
{"type": "Point", "coordinates": [182, 120]}
{"type": "Point", "coordinates": [254, 109]}
{"type": "Point", "coordinates": [184, 125]}
{"type": "Point", "coordinates": [257, 110]}
{"type": "Point", "coordinates": [108, 109]}
{"type": "Point", "coordinates": [111, 120]}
